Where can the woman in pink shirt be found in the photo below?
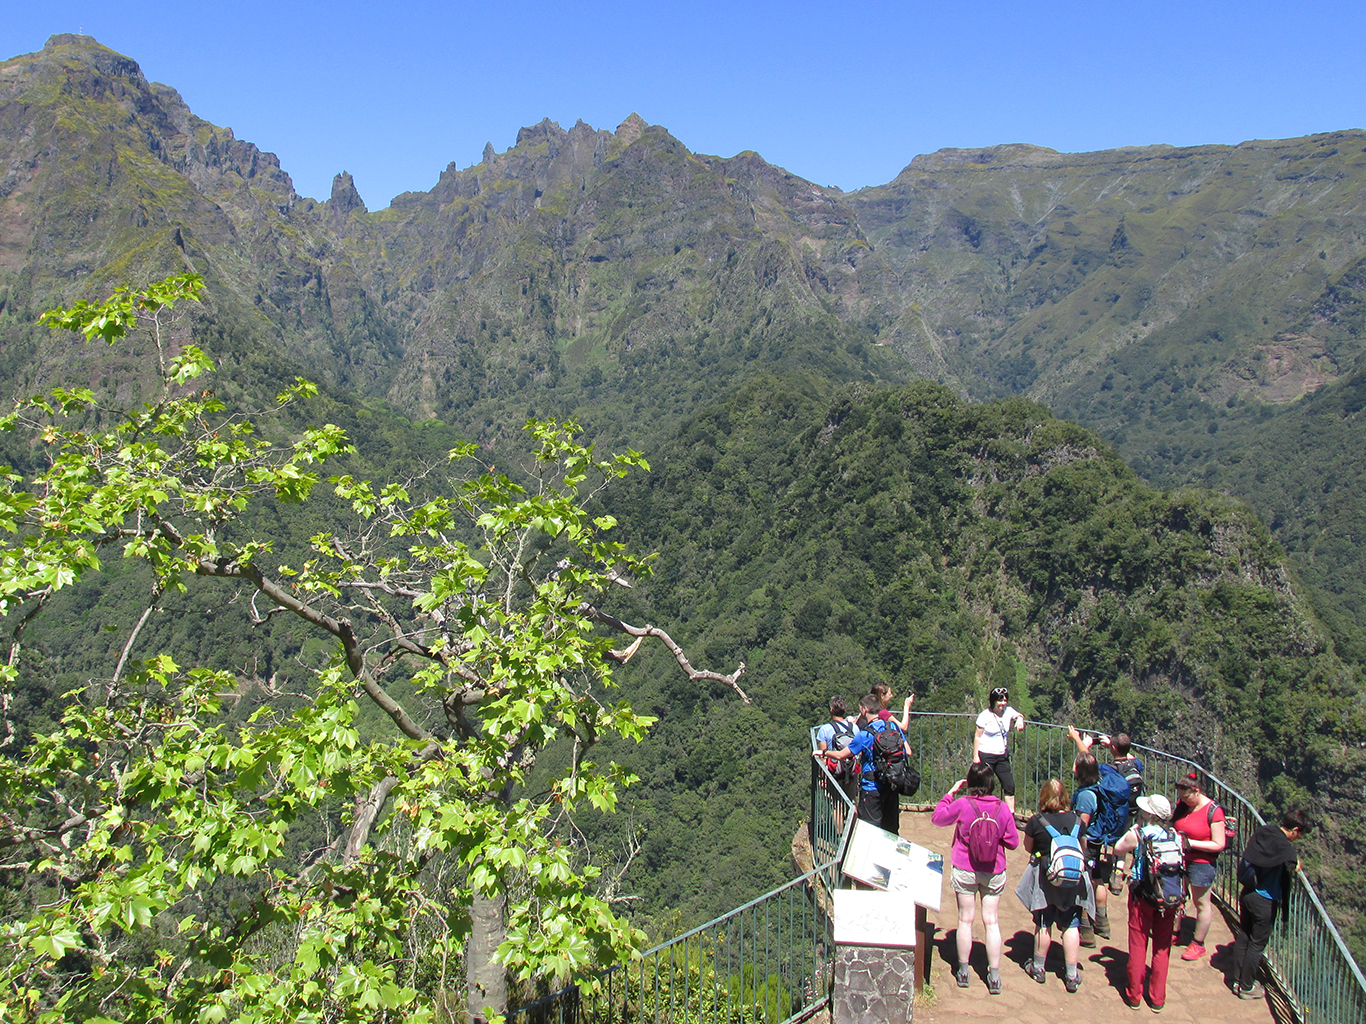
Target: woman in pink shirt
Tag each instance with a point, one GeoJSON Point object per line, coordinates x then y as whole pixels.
{"type": "Point", "coordinates": [984, 828]}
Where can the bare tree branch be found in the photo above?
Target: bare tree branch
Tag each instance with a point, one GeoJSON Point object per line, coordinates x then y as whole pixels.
{"type": "Point", "coordinates": [694, 674]}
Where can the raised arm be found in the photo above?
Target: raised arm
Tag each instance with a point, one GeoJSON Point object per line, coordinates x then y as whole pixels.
{"type": "Point", "coordinates": [1083, 742]}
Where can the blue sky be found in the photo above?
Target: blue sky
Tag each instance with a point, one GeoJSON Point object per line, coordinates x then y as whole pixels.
{"type": "Point", "coordinates": [841, 94]}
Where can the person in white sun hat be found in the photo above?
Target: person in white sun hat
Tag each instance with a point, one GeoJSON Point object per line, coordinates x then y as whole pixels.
{"type": "Point", "coordinates": [1150, 920]}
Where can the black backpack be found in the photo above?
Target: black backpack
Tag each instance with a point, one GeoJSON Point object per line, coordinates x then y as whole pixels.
{"type": "Point", "coordinates": [844, 767]}
{"type": "Point", "coordinates": [889, 760]}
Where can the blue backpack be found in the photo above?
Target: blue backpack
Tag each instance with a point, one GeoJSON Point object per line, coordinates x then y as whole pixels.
{"type": "Point", "coordinates": [1065, 865]}
{"type": "Point", "coordinates": [1112, 817]}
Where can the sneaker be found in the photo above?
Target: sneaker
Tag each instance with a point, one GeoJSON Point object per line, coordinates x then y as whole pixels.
{"type": "Point", "coordinates": [1072, 984]}
{"type": "Point", "coordinates": [1116, 886]}
{"type": "Point", "coordinates": [1037, 973]}
{"type": "Point", "coordinates": [1257, 991]}
{"type": "Point", "coordinates": [1133, 1004]}
{"type": "Point", "coordinates": [994, 986]}
{"type": "Point", "coordinates": [1158, 1008]}
{"type": "Point", "coordinates": [962, 976]}
{"type": "Point", "coordinates": [1193, 952]}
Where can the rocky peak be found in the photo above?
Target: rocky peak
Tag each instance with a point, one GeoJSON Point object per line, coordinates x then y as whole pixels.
{"type": "Point", "coordinates": [631, 129]}
{"type": "Point", "coordinates": [89, 52]}
{"type": "Point", "coordinates": [345, 198]}
{"type": "Point", "coordinates": [545, 131]}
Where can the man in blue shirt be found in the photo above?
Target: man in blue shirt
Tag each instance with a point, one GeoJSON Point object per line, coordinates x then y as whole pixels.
{"type": "Point", "coordinates": [878, 803]}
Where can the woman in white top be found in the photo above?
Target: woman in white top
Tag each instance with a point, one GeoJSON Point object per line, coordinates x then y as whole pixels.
{"type": "Point", "coordinates": [990, 744]}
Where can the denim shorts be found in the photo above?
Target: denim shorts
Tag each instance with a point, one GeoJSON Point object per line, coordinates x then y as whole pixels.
{"type": "Point", "coordinates": [973, 882]}
{"type": "Point", "coordinates": [1201, 875]}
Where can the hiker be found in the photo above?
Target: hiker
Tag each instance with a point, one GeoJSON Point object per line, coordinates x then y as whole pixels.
{"type": "Point", "coordinates": [1157, 891]}
{"type": "Point", "coordinates": [1102, 800]}
{"type": "Point", "coordinates": [883, 692]}
{"type": "Point", "coordinates": [984, 828]}
{"type": "Point", "coordinates": [1131, 767]}
{"type": "Point", "coordinates": [1201, 823]}
{"type": "Point", "coordinates": [1127, 764]}
{"type": "Point", "coordinates": [991, 741]}
{"type": "Point", "coordinates": [1264, 872]}
{"type": "Point", "coordinates": [1056, 886]}
{"type": "Point", "coordinates": [836, 734]}
{"type": "Point", "coordinates": [878, 802]}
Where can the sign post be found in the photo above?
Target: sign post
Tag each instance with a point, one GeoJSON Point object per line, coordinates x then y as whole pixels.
{"type": "Point", "coordinates": [877, 929]}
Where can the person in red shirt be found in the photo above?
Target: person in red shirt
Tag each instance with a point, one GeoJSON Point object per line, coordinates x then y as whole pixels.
{"type": "Point", "coordinates": [1201, 824]}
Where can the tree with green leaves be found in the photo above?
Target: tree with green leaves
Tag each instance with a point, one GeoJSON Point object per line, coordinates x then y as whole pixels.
{"type": "Point", "coordinates": [151, 835]}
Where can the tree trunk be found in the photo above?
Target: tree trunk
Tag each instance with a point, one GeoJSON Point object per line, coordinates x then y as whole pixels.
{"type": "Point", "coordinates": [485, 981]}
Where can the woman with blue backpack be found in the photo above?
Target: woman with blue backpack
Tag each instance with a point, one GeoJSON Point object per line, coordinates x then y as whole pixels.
{"type": "Point", "coordinates": [1056, 886]}
{"type": "Point", "coordinates": [984, 828]}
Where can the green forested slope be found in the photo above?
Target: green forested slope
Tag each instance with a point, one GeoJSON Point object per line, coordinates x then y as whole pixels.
{"type": "Point", "coordinates": [905, 535]}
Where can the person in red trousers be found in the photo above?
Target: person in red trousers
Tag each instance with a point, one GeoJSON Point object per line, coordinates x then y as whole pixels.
{"type": "Point", "coordinates": [1148, 922]}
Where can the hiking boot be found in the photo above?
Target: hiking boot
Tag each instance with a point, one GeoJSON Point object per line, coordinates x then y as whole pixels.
{"type": "Point", "coordinates": [1037, 973]}
{"type": "Point", "coordinates": [1257, 991]}
{"type": "Point", "coordinates": [1193, 952]}
{"type": "Point", "coordinates": [1087, 936]}
{"type": "Point", "coordinates": [1101, 926]}
{"type": "Point", "coordinates": [1116, 884]}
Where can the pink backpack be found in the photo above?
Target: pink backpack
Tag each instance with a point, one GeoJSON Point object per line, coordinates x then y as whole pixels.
{"type": "Point", "coordinates": [984, 839]}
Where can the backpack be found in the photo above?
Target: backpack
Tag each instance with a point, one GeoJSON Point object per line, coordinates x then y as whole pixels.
{"type": "Point", "coordinates": [847, 767]}
{"type": "Point", "coordinates": [1132, 769]}
{"type": "Point", "coordinates": [984, 840]}
{"type": "Point", "coordinates": [1163, 881]}
{"type": "Point", "coordinates": [1249, 877]}
{"type": "Point", "coordinates": [1112, 816]}
{"type": "Point", "coordinates": [1230, 824]}
{"type": "Point", "coordinates": [889, 760]}
{"type": "Point", "coordinates": [1066, 863]}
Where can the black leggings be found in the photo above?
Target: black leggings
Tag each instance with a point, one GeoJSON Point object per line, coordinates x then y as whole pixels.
{"type": "Point", "coordinates": [1000, 764]}
{"type": "Point", "coordinates": [1254, 930]}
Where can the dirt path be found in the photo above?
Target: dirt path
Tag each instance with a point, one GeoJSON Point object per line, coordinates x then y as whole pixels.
{"type": "Point", "coordinates": [1196, 991]}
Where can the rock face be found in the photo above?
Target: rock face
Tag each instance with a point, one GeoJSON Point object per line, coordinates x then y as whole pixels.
{"type": "Point", "coordinates": [618, 276]}
{"type": "Point", "coordinates": [345, 198]}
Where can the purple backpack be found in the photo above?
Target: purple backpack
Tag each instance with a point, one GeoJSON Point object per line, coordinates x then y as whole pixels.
{"type": "Point", "coordinates": [984, 839]}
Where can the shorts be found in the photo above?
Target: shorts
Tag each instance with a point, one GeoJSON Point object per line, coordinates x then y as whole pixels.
{"type": "Point", "coordinates": [1064, 919]}
{"type": "Point", "coordinates": [1000, 764]}
{"type": "Point", "coordinates": [1102, 863]}
{"type": "Point", "coordinates": [975, 882]}
{"type": "Point", "coordinates": [1201, 875]}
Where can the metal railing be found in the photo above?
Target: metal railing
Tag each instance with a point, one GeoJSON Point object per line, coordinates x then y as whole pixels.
{"type": "Point", "coordinates": [768, 962]}
{"type": "Point", "coordinates": [771, 961]}
{"type": "Point", "coordinates": [1306, 955]}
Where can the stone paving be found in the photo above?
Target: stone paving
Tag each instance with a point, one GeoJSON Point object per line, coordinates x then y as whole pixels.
{"type": "Point", "coordinates": [1196, 991]}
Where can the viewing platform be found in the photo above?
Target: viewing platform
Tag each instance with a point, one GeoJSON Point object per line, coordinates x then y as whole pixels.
{"type": "Point", "coordinates": [1197, 991]}
{"type": "Point", "coordinates": [772, 960]}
